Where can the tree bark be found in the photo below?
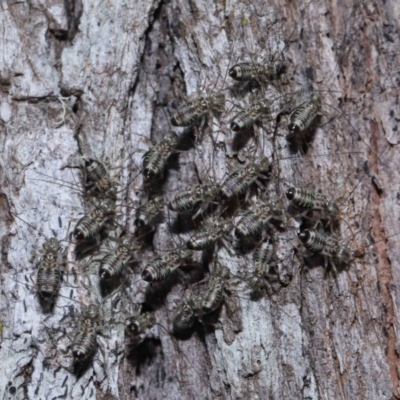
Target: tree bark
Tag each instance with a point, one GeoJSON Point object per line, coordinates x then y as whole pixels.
{"type": "Point", "coordinates": [102, 79]}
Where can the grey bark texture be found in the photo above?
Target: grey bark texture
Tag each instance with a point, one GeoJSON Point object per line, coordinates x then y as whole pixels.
{"type": "Point", "coordinates": [102, 79]}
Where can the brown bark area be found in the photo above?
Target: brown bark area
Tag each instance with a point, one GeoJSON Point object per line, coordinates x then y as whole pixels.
{"type": "Point", "coordinates": [103, 80]}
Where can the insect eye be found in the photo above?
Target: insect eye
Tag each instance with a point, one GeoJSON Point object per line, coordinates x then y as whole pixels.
{"type": "Point", "coordinates": [290, 193]}
{"type": "Point", "coordinates": [78, 355]}
{"type": "Point", "coordinates": [146, 275]}
{"type": "Point", "coordinates": [104, 274]}
{"type": "Point", "coordinates": [304, 236]}
{"type": "Point", "coordinates": [233, 72]}
{"type": "Point", "coordinates": [131, 326]}
{"type": "Point", "coordinates": [78, 234]}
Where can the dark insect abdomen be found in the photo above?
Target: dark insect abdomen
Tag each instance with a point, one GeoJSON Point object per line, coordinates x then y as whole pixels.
{"type": "Point", "coordinates": [184, 318]}
{"type": "Point", "coordinates": [236, 184]}
{"type": "Point", "coordinates": [186, 116]}
{"type": "Point", "coordinates": [249, 225]}
{"type": "Point", "coordinates": [201, 240]}
{"type": "Point", "coordinates": [264, 254]}
{"type": "Point", "coordinates": [242, 72]}
{"type": "Point", "coordinates": [242, 121]}
{"type": "Point", "coordinates": [90, 225]}
{"type": "Point", "coordinates": [183, 201]}
{"type": "Point", "coordinates": [305, 198]}
{"type": "Point", "coordinates": [48, 279]}
{"type": "Point", "coordinates": [112, 264]}
{"type": "Point", "coordinates": [84, 345]}
{"type": "Point", "coordinates": [213, 297]}
{"type": "Point", "coordinates": [315, 241]}
{"type": "Point", "coordinates": [157, 271]}
{"type": "Point", "coordinates": [95, 171]}
{"type": "Point", "coordinates": [302, 117]}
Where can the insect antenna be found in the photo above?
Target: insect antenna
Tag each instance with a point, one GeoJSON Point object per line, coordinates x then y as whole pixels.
{"type": "Point", "coordinates": [31, 226]}
{"type": "Point", "coordinates": [165, 219]}
{"type": "Point", "coordinates": [177, 347]}
{"type": "Point", "coordinates": [59, 181]}
{"type": "Point", "coordinates": [99, 171]}
{"type": "Point", "coordinates": [92, 202]}
{"type": "Point", "coordinates": [29, 284]}
{"type": "Point", "coordinates": [354, 254]}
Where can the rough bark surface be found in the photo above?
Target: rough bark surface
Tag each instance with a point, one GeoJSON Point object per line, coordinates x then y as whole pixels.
{"type": "Point", "coordinates": [102, 79]}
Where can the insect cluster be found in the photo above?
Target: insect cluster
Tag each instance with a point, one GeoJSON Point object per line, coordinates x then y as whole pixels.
{"type": "Point", "coordinates": [215, 220]}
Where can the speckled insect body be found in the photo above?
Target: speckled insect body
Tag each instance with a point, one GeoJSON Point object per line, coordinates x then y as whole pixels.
{"type": "Point", "coordinates": [256, 73]}
{"type": "Point", "coordinates": [196, 107]}
{"type": "Point", "coordinates": [302, 116]}
{"type": "Point", "coordinates": [84, 344]}
{"type": "Point", "coordinates": [263, 257]}
{"type": "Point", "coordinates": [305, 198]}
{"type": "Point", "coordinates": [309, 200]}
{"type": "Point", "coordinates": [138, 325]}
{"type": "Point", "coordinates": [95, 171]}
{"type": "Point", "coordinates": [155, 159]}
{"type": "Point", "coordinates": [97, 179]}
{"type": "Point", "coordinates": [212, 230]}
{"type": "Point", "coordinates": [146, 215]}
{"type": "Point", "coordinates": [49, 274]}
{"type": "Point", "coordinates": [187, 114]}
{"type": "Point", "coordinates": [195, 302]}
{"type": "Point", "coordinates": [115, 261]}
{"type": "Point", "coordinates": [162, 268]}
{"type": "Point", "coordinates": [246, 119]}
{"type": "Point", "coordinates": [186, 200]}
{"type": "Point", "coordinates": [89, 226]}
{"type": "Point", "coordinates": [335, 254]}
{"type": "Point", "coordinates": [184, 317]}
{"type": "Point", "coordinates": [212, 298]}
{"type": "Point", "coordinates": [201, 304]}
{"type": "Point", "coordinates": [254, 220]}
{"type": "Point", "coordinates": [240, 181]}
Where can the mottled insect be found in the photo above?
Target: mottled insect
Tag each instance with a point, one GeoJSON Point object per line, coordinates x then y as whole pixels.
{"type": "Point", "coordinates": [306, 199]}
{"type": "Point", "coordinates": [263, 257]}
{"type": "Point", "coordinates": [256, 73]}
{"type": "Point", "coordinates": [114, 262]}
{"type": "Point", "coordinates": [49, 273]}
{"type": "Point", "coordinates": [161, 268]}
{"type": "Point", "coordinates": [246, 119]}
{"type": "Point", "coordinates": [214, 295]}
{"type": "Point", "coordinates": [89, 226]}
{"type": "Point", "coordinates": [97, 178]}
{"type": "Point", "coordinates": [184, 317]}
{"type": "Point", "coordinates": [211, 231]}
{"type": "Point", "coordinates": [303, 115]}
{"type": "Point", "coordinates": [155, 159]}
{"type": "Point", "coordinates": [335, 254]}
{"type": "Point", "coordinates": [200, 304]}
{"type": "Point", "coordinates": [191, 112]}
{"type": "Point", "coordinates": [254, 220]}
{"type": "Point", "coordinates": [186, 200]}
{"type": "Point", "coordinates": [84, 344]}
{"type": "Point", "coordinates": [147, 214]}
{"type": "Point", "coordinates": [138, 325]}
{"type": "Point", "coordinates": [240, 181]}
{"type": "Point", "coordinates": [50, 268]}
